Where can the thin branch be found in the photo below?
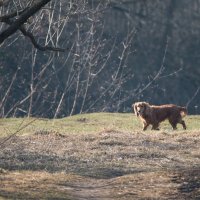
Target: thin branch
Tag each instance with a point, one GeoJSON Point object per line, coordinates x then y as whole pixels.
{"type": "Point", "coordinates": [32, 38]}
{"type": "Point", "coordinates": [11, 15]}
{"type": "Point", "coordinates": [8, 90]}
{"type": "Point", "coordinates": [17, 131]}
{"type": "Point", "coordinates": [156, 77]}
{"type": "Point", "coordinates": [36, 45]}
{"type": "Point", "coordinates": [195, 94]}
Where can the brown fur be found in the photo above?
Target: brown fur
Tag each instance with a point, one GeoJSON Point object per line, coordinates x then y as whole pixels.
{"type": "Point", "coordinates": [151, 114]}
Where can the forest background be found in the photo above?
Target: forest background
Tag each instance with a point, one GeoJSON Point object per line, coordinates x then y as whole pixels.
{"type": "Point", "coordinates": [81, 56]}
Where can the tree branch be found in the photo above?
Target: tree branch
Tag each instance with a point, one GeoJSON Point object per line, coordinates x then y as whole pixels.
{"type": "Point", "coordinates": [22, 19]}
{"type": "Point", "coordinates": [11, 15]}
{"type": "Point", "coordinates": [36, 45]}
{"type": "Point", "coordinates": [32, 38]}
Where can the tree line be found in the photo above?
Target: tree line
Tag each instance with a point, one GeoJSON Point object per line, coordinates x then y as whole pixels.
{"type": "Point", "coordinates": [60, 58]}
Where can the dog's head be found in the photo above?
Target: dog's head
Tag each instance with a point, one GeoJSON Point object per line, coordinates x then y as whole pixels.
{"type": "Point", "coordinates": [140, 108]}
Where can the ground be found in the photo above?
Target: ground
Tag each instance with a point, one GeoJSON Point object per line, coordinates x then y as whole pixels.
{"type": "Point", "coordinates": [98, 156]}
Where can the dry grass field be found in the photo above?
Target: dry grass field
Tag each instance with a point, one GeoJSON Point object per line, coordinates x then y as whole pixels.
{"type": "Point", "coordinates": [98, 156]}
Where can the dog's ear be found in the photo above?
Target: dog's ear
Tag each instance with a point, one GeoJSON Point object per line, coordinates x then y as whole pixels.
{"type": "Point", "coordinates": [134, 107]}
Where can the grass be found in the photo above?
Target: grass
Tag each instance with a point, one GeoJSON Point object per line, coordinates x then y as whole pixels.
{"type": "Point", "coordinates": [98, 156]}
{"type": "Point", "coordinates": [85, 123]}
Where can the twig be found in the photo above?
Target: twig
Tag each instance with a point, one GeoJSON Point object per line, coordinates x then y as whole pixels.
{"type": "Point", "coordinates": [195, 94]}
{"type": "Point", "coordinates": [17, 131]}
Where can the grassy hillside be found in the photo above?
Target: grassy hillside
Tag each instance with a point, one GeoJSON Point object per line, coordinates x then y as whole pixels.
{"type": "Point", "coordinates": [98, 156]}
{"type": "Point", "coordinates": [84, 124]}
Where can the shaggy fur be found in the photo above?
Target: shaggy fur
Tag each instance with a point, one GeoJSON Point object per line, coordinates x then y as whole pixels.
{"type": "Point", "coordinates": [151, 114]}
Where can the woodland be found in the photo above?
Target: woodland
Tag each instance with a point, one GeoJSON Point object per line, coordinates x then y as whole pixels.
{"type": "Point", "coordinates": [64, 57]}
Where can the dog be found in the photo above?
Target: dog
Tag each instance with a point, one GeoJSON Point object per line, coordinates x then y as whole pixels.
{"type": "Point", "coordinates": [154, 115]}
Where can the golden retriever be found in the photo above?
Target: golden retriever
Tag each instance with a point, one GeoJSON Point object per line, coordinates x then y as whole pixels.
{"type": "Point", "coordinates": [151, 114]}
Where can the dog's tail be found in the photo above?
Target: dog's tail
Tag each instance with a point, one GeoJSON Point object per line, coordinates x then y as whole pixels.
{"type": "Point", "coordinates": [183, 111]}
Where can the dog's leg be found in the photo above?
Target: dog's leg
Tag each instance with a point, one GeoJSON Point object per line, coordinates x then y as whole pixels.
{"type": "Point", "coordinates": [174, 127]}
{"type": "Point", "coordinates": [183, 124]}
{"type": "Point", "coordinates": [155, 127]}
{"type": "Point", "coordinates": [173, 124]}
{"type": "Point", "coordinates": [145, 125]}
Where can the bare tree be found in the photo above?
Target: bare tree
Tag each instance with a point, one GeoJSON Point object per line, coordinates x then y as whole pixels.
{"type": "Point", "coordinates": [99, 71]}
{"type": "Point", "coordinates": [16, 20]}
{"type": "Point", "coordinates": [74, 82]}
